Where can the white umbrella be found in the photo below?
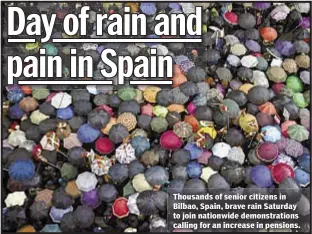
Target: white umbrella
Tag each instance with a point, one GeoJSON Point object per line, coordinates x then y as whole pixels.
{"type": "Point", "coordinates": [249, 61]}
{"type": "Point", "coordinates": [161, 50]}
{"type": "Point", "coordinates": [61, 100]}
{"type": "Point", "coordinates": [140, 184]}
{"type": "Point", "coordinates": [259, 78]}
{"type": "Point", "coordinates": [72, 141]}
{"type": "Point", "coordinates": [86, 181]}
{"type": "Point", "coordinates": [207, 172]}
{"type": "Point", "coordinates": [132, 204]}
{"type": "Point", "coordinates": [28, 145]}
{"type": "Point", "coordinates": [50, 141]}
{"type": "Point", "coordinates": [237, 154]}
{"type": "Point", "coordinates": [188, 8]}
{"type": "Point", "coordinates": [15, 199]}
{"type": "Point", "coordinates": [37, 117]}
{"type": "Point", "coordinates": [92, 89]}
{"type": "Point", "coordinates": [100, 165]}
{"type": "Point", "coordinates": [125, 154]}
{"type": "Point", "coordinates": [17, 138]}
{"type": "Point", "coordinates": [221, 149]}
{"type": "Point", "coordinates": [231, 39]}
{"type": "Point", "coordinates": [280, 12]}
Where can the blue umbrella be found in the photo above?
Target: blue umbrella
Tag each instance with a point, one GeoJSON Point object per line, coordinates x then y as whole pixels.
{"type": "Point", "coordinates": [51, 228]}
{"type": "Point", "coordinates": [180, 58]}
{"type": "Point", "coordinates": [285, 48]}
{"type": "Point", "coordinates": [194, 150]}
{"type": "Point", "coordinates": [65, 113]}
{"type": "Point", "coordinates": [15, 112]}
{"type": "Point", "coordinates": [174, 5]}
{"type": "Point", "coordinates": [87, 134]}
{"type": "Point", "coordinates": [57, 214]}
{"type": "Point", "coordinates": [194, 169]}
{"type": "Point", "coordinates": [15, 94]}
{"type": "Point", "coordinates": [148, 8]}
{"type": "Point", "coordinates": [261, 176]}
{"type": "Point", "coordinates": [304, 162]}
{"type": "Point", "coordinates": [140, 144]}
{"type": "Point", "coordinates": [22, 169]}
{"type": "Point", "coordinates": [302, 177]}
{"type": "Point", "coordinates": [271, 133]}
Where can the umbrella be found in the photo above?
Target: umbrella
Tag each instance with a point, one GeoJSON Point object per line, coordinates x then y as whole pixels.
{"type": "Point", "coordinates": [128, 189]}
{"type": "Point", "coordinates": [302, 177]}
{"type": "Point", "coordinates": [294, 84]}
{"type": "Point", "coordinates": [80, 94]}
{"type": "Point", "coordinates": [261, 176]}
{"type": "Point", "coordinates": [267, 151]}
{"type": "Point", "coordinates": [194, 150]}
{"type": "Point", "coordinates": [86, 133]}
{"type": "Point", "coordinates": [83, 216]}
{"type": "Point", "coordinates": [233, 60]}
{"type": "Point", "coordinates": [28, 104]}
{"type": "Point", "coordinates": [206, 173]}
{"type": "Point", "coordinates": [195, 186]}
{"type": "Point", "coordinates": [271, 133]}
{"type": "Point", "coordinates": [159, 124]}
{"type": "Point", "coordinates": [268, 108]}
{"type": "Point", "coordinates": [147, 109]}
{"type": "Point", "coordinates": [305, 77]}
{"type": "Point", "coordinates": [304, 162]}
{"type": "Point", "coordinates": [149, 158]}
{"type": "Point", "coordinates": [182, 129]}
{"type": "Point", "coordinates": [27, 228]}
{"type": "Point", "coordinates": [75, 156]}
{"type": "Point", "coordinates": [108, 126]}
{"type": "Point", "coordinates": [51, 228]}
{"type": "Point", "coordinates": [57, 214]}
{"type": "Point", "coordinates": [104, 145]}
{"type": "Point", "coordinates": [47, 125]}
{"type": "Point", "coordinates": [156, 175]}
{"type": "Point", "coordinates": [140, 184]}
{"type": "Point", "coordinates": [37, 117]}
{"type": "Point", "coordinates": [135, 167]}
{"type": "Point", "coordinates": [221, 149]}
{"type": "Point", "coordinates": [100, 165]}
{"type": "Point", "coordinates": [249, 61]}
{"type": "Point", "coordinates": [118, 173]}
{"type": "Point", "coordinates": [160, 111]}
{"type": "Point", "coordinates": [17, 138]}
{"type": "Point", "coordinates": [45, 196]}
{"type": "Point", "coordinates": [67, 222]}
{"type": "Point", "coordinates": [65, 113]}
{"type": "Point", "coordinates": [140, 144]}
{"type": "Point", "coordinates": [91, 198]}
{"type": "Point", "coordinates": [230, 18]}
{"type": "Point", "coordinates": [268, 34]}
{"type": "Point", "coordinates": [178, 96]}
{"type": "Point", "coordinates": [98, 118]}
{"type": "Point", "coordinates": [283, 158]}
{"type": "Point", "coordinates": [246, 20]}
{"type": "Point", "coordinates": [231, 107]}
{"type": "Point", "coordinates": [61, 200]}
{"type": "Point", "coordinates": [302, 47]}
{"type": "Point", "coordinates": [132, 204]}
{"type": "Point", "coordinates": [118, 133]}
{"type": "Point", "coordinates": [298, 132]}
{"type": "Point", "coordinates": [22, 169]}
{"type": "Point", "coordinates": [15, 199]}
{"type": "Point", "coordinates": [15, 94]}
{"type": "Point", "coordinates": [15, 112]}
{"type": "Point", "coordinates": [51, 142]}
{"type": "Point", "coordinates": [86, 181]}
{"type": "Point", "coordinates": [61, 100]}
{"type": "Point", "coordinates": [299, 100]}
{"type": "Point", "coordinates": [71, 141]}
{"type": "Point", "coordinates": [258, 95]}
{"type": "Point", "coordinates": [150, 93]}
{"type": "Point", "coordinates": [128, 120]}
{"type": "Point", "coordinates": [239, 50]}
{"type": "Point", "coordinates": [280, 12]}
{"type": "Point", "coordinates": [125, 153]}
{"type": "Point", "coordinates": [120, 207]}
{"type": "Point", "coordinates": [236, 154]}
{"type": "Point", "coordinates": [181, 157]}
{"type": "Point", "coordinates": [63, 130]}
{"type": "Point", "coordinates": [39, 210]}
{"type": "Point", "coordinates": [129, 106]}
{"type": "Point", "coordinates": [281, 171]}
{"type": "Point", "coordinates": [194, 169]}
{"type": "Point", "coordinates": [189, 88]}
{"type": "Point", "coordinates": [68, 171]}
{"type": "Point", "coordinates": [198, 74]}
{"type": "Point", "coordinates": [108, 193]}
{"type": "Point", "coordinates": [82, 107]}
{"type": "Point", "coordinates": [302, 61]}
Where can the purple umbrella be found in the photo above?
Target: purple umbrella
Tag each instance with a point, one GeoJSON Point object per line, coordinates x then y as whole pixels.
{"type": "Point", "coordinates": [261, 5]}
{"type": "Point", "coordinates": [253, 46]}
{"type": "Point", "coordinates": [194, 150]}
{"type": "Point", "coordinates": [91, 198]}
{"type": "Point", "coordinates": [57, 214]}
{"type": "Point", "coordinates": [285, 48]}
{"type": "Point", "coordinates": [174, 5]}
{"type": "Point", "coordinates": [305, 22]}
{"type": "Point", "coordinates": [194, 169]}
{"type": "Point", "coordinates": [15, 112]}
{"type": "Point", "coordinates": [86, 133]}
{"type": "Point", "coordinates": [148, 8]}
{"type": "Point", "coordinates": [261, 176]}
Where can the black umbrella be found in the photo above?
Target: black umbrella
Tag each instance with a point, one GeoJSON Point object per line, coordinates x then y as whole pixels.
{"type": "Point", "coordinates": [118, 133]}
{"type": "Point", "coordinates": [118, 173]}
{"type": "Point", "coordinates": [5, 132]}
{"type": "Point", "coordinates": [76, 122]}
{"type": "Point", "coordinates": [80, 94]}
{"type": "Point", "coordinates": [293, 110]}
{"type": "Point", "coordinates": [215, 162]}
{"type": "Point", "coordinates": [252, 157]}
{"type": "Point", "coordinates": [162, 6]}
{"type": "Point", "coordinates": [217, 184]}
{"type": "Point", "coordinates": [252, 34]}
{"type": "Point", "coordinates": [207, 38]}
{"type": "Point", "coordinates": [258, 95]}
{"type": "Point", "coordinates": [189, 88]}
{"type": "Point", "coordinates": [101, 99]}
{"type": "Point", "coordinates": [146, 203]}
{"type": "Point", "coordinates": [173, 117]}
{"type": "Point", "coordinates": [211, 57]}
{"type": "Point", "coordinates": [34, 133]}
{"type": "Point", "coordinates": [108, 193]}
{"type": "Point", "coordinates": [5, 152]}
{"type": "Point", "coordinates": [156, 175]}
{"type": "Point", "coordinates": [135, 167]}
{"type": "Point", "coordinates": [176, 186]}
{"type": "Point", "coordinates": [67, 223]}
{"type": "Point", "coordinates": [51, 156]}
{"type": "Point", "coordinates": [252, 109]}
{"type": "Point", "coordinates": [244, 73]}
{"type": "Point", "coordinates": [160, 199]}
{"type": "Point", "coordinates": [6, 122]}
{"type": "Point", "coordinates": [83, 216]}
{"type": "Point", "coordinates": [303, 206]}
{"type": "Point", "coordinates": [178, 96]}
{"type": "Point", "coordinates": [26, 124]}
{"type": "Point", "coordinates": [39, 210]}
{"type": "Point", "coordinates": [232, 172]}
{"type": "Point", "coordinates": [291, 189]}
{"type": "Point", "coordinates": [302, 47]}
{"type": "Point", "coordinates": [203, 113]}
{"type": "Point", "coordinates": [61, 200]}
{"type": "Point", "coordinates": [19, 153]}
{"type": "Point", "coordinates": [164, 97]}
{"type": "Point", "coordinates": [114, 100]}
{"type": "Point", "coordinates": [131, 106]}
{"type": "Point", "coordinates": [247, 20]}
{"type": "Point", "coordinates": [75, 156]}
{"type": "Point", "coordinates": [196, 74]}
{"type": "Point", "coordinates": [238, 96]}
{"type": "Point", "coordinates": [180, 157]}
{"type": "Point", "coordinates": [279, 101]}
{"type": "Point", "coordinates": [98, 118]}
{"type": "Point", "coordinates": [179, 172]}
{"type": "Point", "coordinates": [144, 121]}
{"type": "Point", "coordinates": [163, 155]}
{"type": "Point", "coordinates": [247, 178]}
{"type": "Point", "coordinates": [195, 186]}
{"type": "Point", "coordinates": [82, 107]}
{"type": "Point", "coordinates": [234, 137]}
{"type": "Point", "coordinates": [264, 119]}
{"type": "Point", "coordinates": [47, 109]}
{"type": "Point", "coordinates": [47, 125]}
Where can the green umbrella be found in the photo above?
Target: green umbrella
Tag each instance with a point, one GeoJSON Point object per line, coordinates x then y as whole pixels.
{"type": "Point", "coordinates": [68, 171]}
{"type": "Point", "coordinates": [276, 74]}
{"type": "Point", "coordinates": [159, 124]}
{"type": "Point", "coordinates": [298, 132]}
{"type": "Point", "coordinates": [295, 84]}
{"type": "Point", "coordinates": [231, 107]}
{"type": "Point", "coordinates": [128, 189]}
{"type": "Point", "coordinates": [299, 100]}
{"type": "Point", "coordinates": [40, 93]}
{"type": "Point", "coordinates": [126, 93]}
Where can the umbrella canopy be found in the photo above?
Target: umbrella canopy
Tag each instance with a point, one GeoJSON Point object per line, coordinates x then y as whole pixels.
{"type": "Point", "coordinates": [221, 149]}
{"type": "Point", "coordinates": [15, 112]}
{"type": "Point", "coordinates": [22, 169]}
{"type": "Point", "coordinates": [98, 118]}
{"type": "Point", "coordinates": [182, 129]}
{"type": "Point", "coordinates": [45, 196]}
{"type": "Point", "coordinates": [50, 141]}
{"type": "Point", "coordinates": [140, 144]}
{"type": "Point", "coordinates": [28, 104]}
{"type": "Point", "coordinates": [267, 152]}
{"type": "Point", "coordinates": [271, 133]}
{"type": "Point", "coordinates": [194, 169]}
{"type": "Point", "coordinates": [68, 171]}
{"type": "Point", "coordinates": [17, 138]}
{"type": "Point", "coordinates": [159, 124]}
{"type": "Point", "coordinates": [246, 20]}
{"type": "Point", "coordinates": [83, 216]}
{"type": "Point", "coordinates": [268, 34]}
{"type": "Point", "coordinates": [125, 153]}
{"type": "Point", "coordinates": [128, 120]}
{"type": "Point", "coordinates": [281, 171]}
{"type": "Point", "coordinates": [61, 200]}
{"type": "Point", "coordinates": [51, 228]}
{"type": "Point", "coordinates": [156, 175]}
{"type": "Point", "coordinates": [39, 210]}
{"type": "Point", "coordinates": [120, 207]}
{"type": "Point", "coordinates": [268, 108]}
{"type": "Point", "coordinates": [206, 173]}
{"type": "Point", "coordinates": [150, 158]}
{"type": "Point", "coordinates": [61, 100]}
{"type": "Point", "coordinates": [71, 141]}
{"type": "Point", "coordinates": [194, 149]}
{"type": "Point", "coordinates": [236, 154]}
{"type": "Point", "coordinates": [298, 132]}
{"type": "Point", "coordinates": [57, 214]}
{"type": "Point", "coordinates": [91, 198]}
{"type": "Point", "coordinates": [118, 133]}
{"type": "Point", "coordinates": [150, 93]}
{"type": "Point", "coordinates": [86, 133]}
{"type": "Point", "coordinates": [181, 157]}
{"type": "Point", "coordinates": [15, 199]}
{"type": "Point", "coordinates": [86, 181]}
{"type": "Point", "coordinates": [108, 193]}
{"type": "Point", "coordinates": [140, 184]}
{"type": "Point", "coordinates": [135, 167]}
{"type": "Point", "coordinates": [126, 93]}
{"type": "Point", "coordinates": [104, 145]}
{"type": "Point", "coordinates": [118, 173]}
{"type": "Point", "coordinates": [100, 165]}
{"type": "Point", "coordinates": [37, 117]}
{"type": "Point", "coordinates": [261, 176]}
{"type": "Point", "coordinates": [276, 74]}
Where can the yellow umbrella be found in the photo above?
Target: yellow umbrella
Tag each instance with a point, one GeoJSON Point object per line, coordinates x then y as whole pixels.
{"type": "Point", "coordinates": [245, 88]}
{"type": "Point", "coordinates": [150, 93]}
{"type": "Point", "coordinates": [207, 172]}
{"type": "Point", "coordinates": [128, 120]}
{"type": "Point", "coordinates": [160, 111]}
{"type": "Point", "coordinates": [15, 199]}
{"type": "Point", "coordinates": [27, 228]}
{"type": "Point", "coordinates": [248, 123]}
{"type": "Point", "coordinates": [140, 184]}
{"type": "Point", "coordinates": [108, 126]}
{"type": "Point", "coordinates": [72, 189]}
{"type": "Point", "coordinates": [176, 108]}
{"type": "Point", "coordinates": [37, 117]}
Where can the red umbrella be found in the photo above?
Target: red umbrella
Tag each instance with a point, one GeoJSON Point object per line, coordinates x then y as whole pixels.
{"type": "Point", "coordinates": [281, 171]}
{"type": "Point", "coordinates": [170, 141]}
{"type": "Point", "coordinates": [120, 207]}
{"type": "Point", "coordinates": [104, 145]}
{"type": "Point", "coordinates": [108, 109]}
{"type": "Point", "coordinates": [231, 18]}
{"type": "Point", "coordinates": [285, 126]}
